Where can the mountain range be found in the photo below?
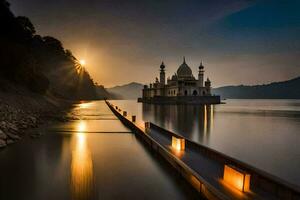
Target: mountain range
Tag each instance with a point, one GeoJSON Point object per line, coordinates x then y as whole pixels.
{"type": "Point", "coordinates": [289, 89]}
{"type": "Point", "coordinates": [128, 91]}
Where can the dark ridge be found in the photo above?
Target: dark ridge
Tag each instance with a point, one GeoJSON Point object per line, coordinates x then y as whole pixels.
{"type": "Point", "coordinates": [39, 63]}
{"type": "Point", "coordinates": [289, 89]}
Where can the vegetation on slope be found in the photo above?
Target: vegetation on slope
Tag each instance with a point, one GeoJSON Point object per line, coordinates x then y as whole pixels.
{"type": "Point", "coordinates": [39, 62]}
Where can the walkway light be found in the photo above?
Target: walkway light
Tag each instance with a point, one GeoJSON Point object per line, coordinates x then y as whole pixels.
{"type": "Point", "coordinates": [178, 143]}
{"type": "Point", "coordinates": [237, 178]}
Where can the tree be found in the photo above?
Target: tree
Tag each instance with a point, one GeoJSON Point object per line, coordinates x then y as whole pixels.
{"type": "Point", "coordinates": [5, 3]}
{"type": "Point", "coordinates": [26, 25]}
{"type": "Point", "coordinates": [53, 43]}
{"type": "Point", "coordinates": [70, 55]}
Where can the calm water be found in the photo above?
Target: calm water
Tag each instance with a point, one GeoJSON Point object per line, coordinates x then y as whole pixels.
{"type": "Point", "coordinates": [95, 157]}
{"type": "Point", "coordinates": [262, 133]}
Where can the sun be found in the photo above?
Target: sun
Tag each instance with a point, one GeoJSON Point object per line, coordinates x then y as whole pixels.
{"type": "Point", "coordinates": [82, 62]}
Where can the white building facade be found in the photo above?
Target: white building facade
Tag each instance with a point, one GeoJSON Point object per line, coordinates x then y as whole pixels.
{"type": "Point", "coordinates": [182, 83]}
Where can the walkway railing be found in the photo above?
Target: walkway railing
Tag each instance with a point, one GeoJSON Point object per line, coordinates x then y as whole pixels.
{"type": "Point", "coordinates": [205, 169]}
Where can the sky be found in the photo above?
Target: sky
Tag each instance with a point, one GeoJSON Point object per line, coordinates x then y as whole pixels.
{"type": "Point", "coordinates": [239, 41]}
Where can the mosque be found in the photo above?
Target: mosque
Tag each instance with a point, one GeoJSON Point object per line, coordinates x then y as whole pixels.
{"type": "Point", "coordinates": [181, 88]}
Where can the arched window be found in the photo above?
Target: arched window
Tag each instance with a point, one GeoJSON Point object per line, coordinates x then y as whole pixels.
{"type": "Point", "coordinates": [195, 93]}
{"type": "Point", "coordinates": [203, 92]}
{"type": "Point", "coordinates": [185, 92]}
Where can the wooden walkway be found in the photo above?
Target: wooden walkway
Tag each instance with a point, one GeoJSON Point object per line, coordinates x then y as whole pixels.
{"type": "Point", "coordinates": [204, 167]}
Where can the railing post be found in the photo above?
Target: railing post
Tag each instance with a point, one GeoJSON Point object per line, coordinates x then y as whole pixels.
{"type": "Point", "coordinates": [147, 125]}
{"type": "Point", "coordinates": [133, 118]}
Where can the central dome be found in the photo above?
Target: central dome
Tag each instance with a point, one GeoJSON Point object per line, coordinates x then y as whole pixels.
{"type": "Point", "coordinates": [184, 70]}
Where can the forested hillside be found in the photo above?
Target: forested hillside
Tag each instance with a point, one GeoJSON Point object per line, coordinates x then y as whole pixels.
{"type": "Point", "coordinates": [37, 62]}
{"type": "Point", "coordinates": [289, 89]}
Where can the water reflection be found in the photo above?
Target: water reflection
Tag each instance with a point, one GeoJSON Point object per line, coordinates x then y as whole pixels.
{"type": "Point", "coordinates": [234, 128]}
{"type": "Point", "coordinates": [84, 105]}
{"type": "Point", "coordinates": [206, 122]}
{"type": "Point", "coordinates": [82, 177]}
{"type": "Point", "coordinates": [81, 126]}
{"type": "Point", "coordinates": [184, 119]}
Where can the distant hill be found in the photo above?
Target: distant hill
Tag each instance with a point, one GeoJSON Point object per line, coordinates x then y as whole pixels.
{"type": "Point", "coordinates": [104, 94]}
{"type": "Point", "coordinates": [128, 91]}
{"type": "Point", "coordinates": [278, 90]}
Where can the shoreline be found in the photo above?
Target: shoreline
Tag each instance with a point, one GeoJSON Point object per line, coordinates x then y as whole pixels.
{"type": "Point", "coordinates": [21, 111]}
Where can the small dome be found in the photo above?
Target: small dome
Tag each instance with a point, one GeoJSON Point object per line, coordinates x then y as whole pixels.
{"type": "Point", "coordinates": [184, 70]}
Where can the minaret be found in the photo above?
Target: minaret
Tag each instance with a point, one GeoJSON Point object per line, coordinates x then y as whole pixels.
{"type": "Point", "coordinates": [162, 74]}
{"type": "Point", "coordinates": [208, 86]}
{"type": "Point", "coordinates": [201, 75]}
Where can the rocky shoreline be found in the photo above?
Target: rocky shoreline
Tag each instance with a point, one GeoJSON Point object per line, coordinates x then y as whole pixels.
{"type": "Point", "coordinates": [16, 123]}
{"type": "Point", "coordinates": [21, 114]}
{"type": "Point", "coordinates": [13, 123]}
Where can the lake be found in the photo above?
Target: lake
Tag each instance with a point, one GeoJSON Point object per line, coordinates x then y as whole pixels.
{"type": "Point", "coordinates": [94, 157]}
{"type": "Point", "coordinates": [262, 133]}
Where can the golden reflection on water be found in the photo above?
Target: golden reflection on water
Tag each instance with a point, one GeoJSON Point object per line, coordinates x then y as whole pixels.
{"type": "Point", "coordinates": [82, 177]}
{"type": "Point", "coordinates": [81, 126]}
{"type": "Point", "coordinates": [85, 104]}
{"type": "Point", "coordinates": [205, 120]}
{"type": "Point", "coordinates": [211, 116]}
{"type": "Point", "coordinates": [208, 119]}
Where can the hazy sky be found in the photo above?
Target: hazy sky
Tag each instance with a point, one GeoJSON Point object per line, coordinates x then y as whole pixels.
{"type": "Point", "coordinates": [240, 42]}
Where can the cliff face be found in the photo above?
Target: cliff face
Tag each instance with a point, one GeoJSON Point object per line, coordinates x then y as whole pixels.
{"type": "Point", "coordinates": [39, 63]}
{"type": "Point", "coordinates": [278, 90]}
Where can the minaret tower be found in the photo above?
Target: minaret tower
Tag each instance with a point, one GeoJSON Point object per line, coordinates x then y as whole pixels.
{"type": "Point", "coordinates": [208, 86]}
{"type": "Point", "coordinates": [162, 74]}
{"type": "Point", "coordinates": [201, 75]}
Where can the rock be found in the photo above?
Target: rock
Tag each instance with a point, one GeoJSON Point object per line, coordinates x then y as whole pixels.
{"type": "Point", "coordinates": [3, 136]}
{"type": "Point", "coordinates": [13, 127]}
{"type": "Point", "coordinates": [3, 124]}
{"type": "Point", "coordinates": [2, 143]}
{"type": "Point", "coordinates": [36, 135]}
{"type": "Point", "coordinates": [32, 119]}
{"type": "Point", "coordinates": [24, 126]}
{"type": "Point", "coordinates": [13, 136]}
{"type": "Point", "coordinates": [9, 141]}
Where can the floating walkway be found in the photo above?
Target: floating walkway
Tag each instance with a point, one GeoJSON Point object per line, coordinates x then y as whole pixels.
{"type": "Point", "coordinates": [213, 174]}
